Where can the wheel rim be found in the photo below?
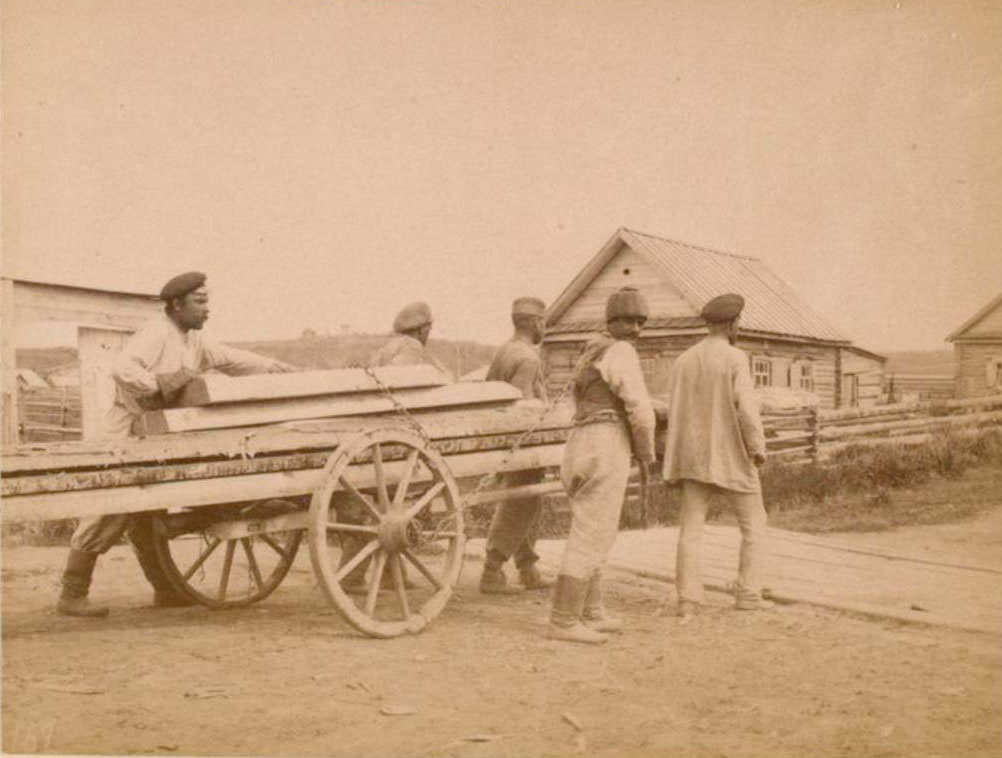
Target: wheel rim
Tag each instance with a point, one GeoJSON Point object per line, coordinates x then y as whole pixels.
{"type": "Point", "coordinates": [393, 496]}
{"type": "Point", "coordinates": [225, 573]}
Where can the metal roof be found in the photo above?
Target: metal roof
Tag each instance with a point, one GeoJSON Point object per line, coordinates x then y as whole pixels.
{"type": "Point", "coordinates": [701, 274]}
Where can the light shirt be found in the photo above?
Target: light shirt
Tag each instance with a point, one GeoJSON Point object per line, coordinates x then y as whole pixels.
{"type": "Point", "coordinates": [518, 363]}
{"type": "Point", "coordinates": [714, 426]}
{"type": "Point", "coordinates": [160, 347]}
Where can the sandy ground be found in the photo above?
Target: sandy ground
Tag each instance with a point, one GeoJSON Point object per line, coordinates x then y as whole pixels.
{"type": "Point", "coordinates": [288, 677]}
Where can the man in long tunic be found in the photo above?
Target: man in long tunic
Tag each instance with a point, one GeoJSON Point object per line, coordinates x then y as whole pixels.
{"type": "Point", "coordinates": [613, 420]}
{"type": "Point", "coordinates": [408, 347]}
{"type": "Point", "coordinates": [714, 447]}
{"type": "Point", "coordinates": [515, 524]}
{"type": "Point", "coordinates": [149, 374]}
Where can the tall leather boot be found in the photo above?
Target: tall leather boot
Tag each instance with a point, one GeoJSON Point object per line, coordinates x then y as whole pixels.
{"type": "Point", "coordinates": [492, 580]}
{"type": "Point", "coordinates": [76, 584]}
{"type": "Point", "coordinates": [140, 531]}
{"type": "Point", "coordinates": [565, 615]}
{"type": "Point", "coordinates": [594, 613]}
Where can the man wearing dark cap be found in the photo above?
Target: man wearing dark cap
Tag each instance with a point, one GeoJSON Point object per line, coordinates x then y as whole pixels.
{"type": "Point", "coordinates": [714, 447]}
{"type": "Point", "coordinates": [412, 327]}
{"type": "Point", "coordinates": [613, 419]}
{"type": "Point", "coordinates": [150, 372]}
{"type": "Point", "coordinates": [515, 523]}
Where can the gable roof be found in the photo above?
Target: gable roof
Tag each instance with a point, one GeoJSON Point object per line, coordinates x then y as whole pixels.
{"type": "Point", "coordinates": [699, 274]}
{"type": "Point", "coordinates": [956, 333]}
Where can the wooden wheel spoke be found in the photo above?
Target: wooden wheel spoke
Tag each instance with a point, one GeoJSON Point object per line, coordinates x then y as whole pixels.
{"type": "Point", "coordinates": [379, 470]}
{"type": "Point", "coordinates": [353, 491]}
{"type": "Point", "coordinates": [398, 580]}
{"type": "Point", "coordinates": [224, 578]}
{"type": "Point", "coordinates": [410, 468]}
{"type": "Point", "coordinates": [201, 559]}
{"type": "Point", "coordinates": [337, 526]}
{"type": "Point", "coordinates": [273, 545]}
{"type": "Point", "coordinates": [252, 561]}
{"type": "Point", "coordinates": [377, 580]}
{"type": "Point", "coordinates": [425, 499]}
{"type": "Point", "coordinates": [422, 568]}
{"type": "Point", "coordinates": [360, 556]}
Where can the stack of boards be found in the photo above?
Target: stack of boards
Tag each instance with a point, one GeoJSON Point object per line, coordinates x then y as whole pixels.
{"type": "Point", "coordinates": [218, 402]}
{"type": "Point", "coordinates": [269, 436]}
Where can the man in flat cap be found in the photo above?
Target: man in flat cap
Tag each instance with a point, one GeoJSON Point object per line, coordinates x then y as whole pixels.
{"type": "Point", "coordinates": [412, 327]}
{"type": "Point", "coordinates": [515, 524]}
{"type": "Point", "coordinates": [150, 372]}
{"type": "Point", "coordinates": [613, 419]}
{"type": "Point", "coordinates": [714, 447]}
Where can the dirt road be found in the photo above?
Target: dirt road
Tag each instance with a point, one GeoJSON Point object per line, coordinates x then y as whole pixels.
{"type": "Point", "coordinates": [288, 677]}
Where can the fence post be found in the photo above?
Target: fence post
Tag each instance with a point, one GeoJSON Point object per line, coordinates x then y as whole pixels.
{"type": "Point", "coordinates": [814, 426]}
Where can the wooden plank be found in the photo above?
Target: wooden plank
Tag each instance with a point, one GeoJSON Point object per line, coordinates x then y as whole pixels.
{"type": "Point", "coordinates": [212, 389]}
{"type": "Point", "coordinates": [129, 476]}
{"type": "Point", "coordinates": [275, 411]}
{"type": "Point", "coordinates": [45, 507]}
{"type": "Point", "coordinates": [8, 364]}
{"type": "Point", "coordinates": [318, 434]}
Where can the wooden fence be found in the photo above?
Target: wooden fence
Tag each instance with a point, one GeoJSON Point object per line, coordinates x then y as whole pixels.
{"type": "Point", "coordinates": [808, 434]}
{"type": "Point", "coordinates": [50, 414]}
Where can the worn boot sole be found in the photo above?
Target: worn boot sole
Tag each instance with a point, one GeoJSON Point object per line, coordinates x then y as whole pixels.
{"type": "Point", "coordinates": [606, 625]}
{"type": "Point", "coordinates": [577, 633]}
{"type": "Point", "coordinates": [499, 589]}
{"type": "Point", "coordinates": [80, 609]}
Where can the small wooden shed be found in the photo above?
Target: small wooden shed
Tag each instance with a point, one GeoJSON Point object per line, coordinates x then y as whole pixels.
{"type": "Point", "coordinates": [788, 343]}
{"type": "Point", "coordinates": [977, 349]}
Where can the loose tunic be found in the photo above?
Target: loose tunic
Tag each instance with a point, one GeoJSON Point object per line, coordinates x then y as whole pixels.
{"type": "Point", "coordinates": [519, 364]}
{"type": "Point", "coordinates": [714, 427]}
{"type": "Point", "coordinates": [404, 350]}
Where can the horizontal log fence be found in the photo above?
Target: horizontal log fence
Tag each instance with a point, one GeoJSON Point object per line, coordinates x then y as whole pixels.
{"type": "Point", "coordinates": [812, 435]}
{"type": "Point", "coordinates": [50, 415]}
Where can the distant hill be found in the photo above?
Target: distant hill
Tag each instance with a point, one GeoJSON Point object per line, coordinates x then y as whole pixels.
{"type": "Point", "coordinates": [319, 352]}
{"type": "Point", "coordinates": [925, 362]}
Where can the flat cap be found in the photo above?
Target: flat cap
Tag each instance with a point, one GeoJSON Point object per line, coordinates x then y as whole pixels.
{"type": "Point", "coordinates": [627, 302]}
{"type": "Point", "coordinates": [723, 308]}
{"type": "Point", "coordinates": [528, 306]}
{"type": "Point", "coordinates": [412, 316]}
{"type": "Point", "coordinates": [182, 284]}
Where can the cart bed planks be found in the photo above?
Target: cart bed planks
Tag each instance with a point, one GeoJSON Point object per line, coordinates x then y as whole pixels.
{"type": "Point", "coordinates": [229, 415]}
{"type": "Point", "coordinates": [212, 389]}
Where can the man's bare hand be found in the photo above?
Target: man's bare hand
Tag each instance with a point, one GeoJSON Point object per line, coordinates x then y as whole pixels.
{"type": "Point", "coordinates": [758, 459]}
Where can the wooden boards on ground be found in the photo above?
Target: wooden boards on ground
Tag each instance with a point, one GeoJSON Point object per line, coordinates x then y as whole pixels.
{"type": "Point", "coordinates": [276, 411]}
{"type": "Point", "coordinates": [212, 389]}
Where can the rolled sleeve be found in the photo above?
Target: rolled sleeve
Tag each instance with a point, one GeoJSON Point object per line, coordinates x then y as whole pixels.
{"type": "Point", "coordinates": [131, 369]}
{"type": "Point", "coordinates": [620, 368]}
{"type": "Point", "coordinates": [235, 362]}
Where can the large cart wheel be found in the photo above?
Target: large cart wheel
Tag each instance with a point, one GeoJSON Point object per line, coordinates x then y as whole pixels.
{"type": "Point", "coordinates": [220, 558]}
{"type": "Point", "coordinates": [387, 560]}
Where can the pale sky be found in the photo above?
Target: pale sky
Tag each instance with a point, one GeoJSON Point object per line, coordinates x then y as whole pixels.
{"type": "Point", "coordinates": [327, 162]}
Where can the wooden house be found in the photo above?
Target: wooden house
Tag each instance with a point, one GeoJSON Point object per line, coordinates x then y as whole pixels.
{"type": "Point", "coordinates": [977, 349]}
{"type": "Point", "coordinates": [788, 343]}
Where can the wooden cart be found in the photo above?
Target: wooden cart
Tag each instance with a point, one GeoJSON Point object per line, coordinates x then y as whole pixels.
{"type": "Point", "coordinates": [231, 506]}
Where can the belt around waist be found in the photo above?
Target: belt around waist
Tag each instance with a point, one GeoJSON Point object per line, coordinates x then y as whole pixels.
{"type": "Point", "coordinates": [600, 417]}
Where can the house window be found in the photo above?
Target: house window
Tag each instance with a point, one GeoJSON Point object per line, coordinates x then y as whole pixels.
{"type": "Point", "coordinates": [762, 372]}
{"type": "Point", "coordinates": [806, 376]}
